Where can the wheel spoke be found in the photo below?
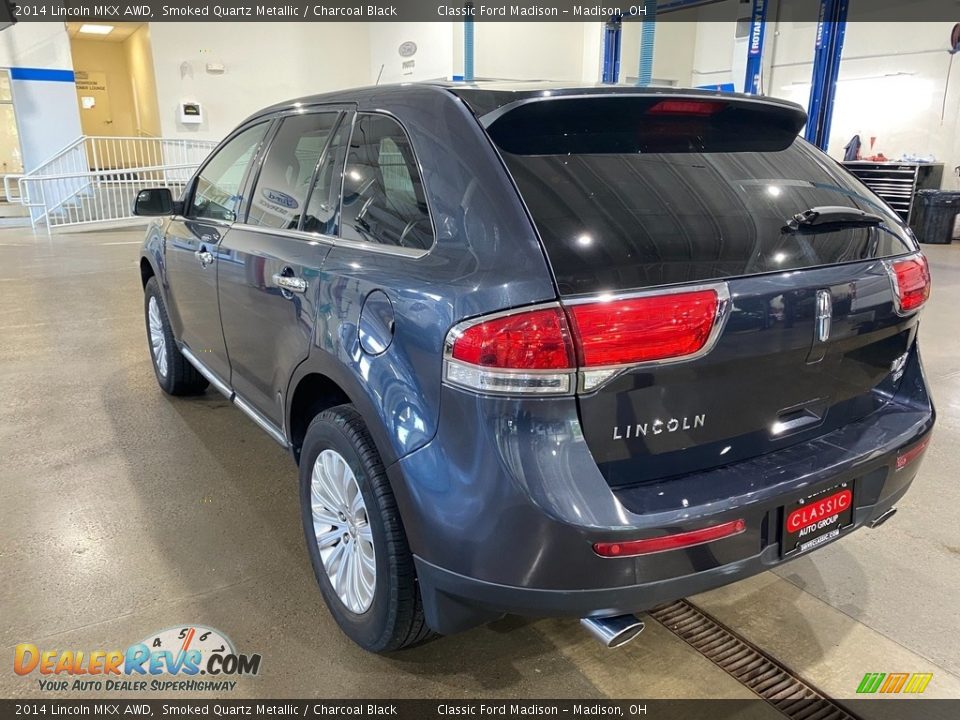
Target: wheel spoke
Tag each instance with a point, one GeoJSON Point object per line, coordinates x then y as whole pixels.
{"type": "Point", "coordinates": [328, 538]}
{"type": "Point", "coordinates": [322, 496]}
{"type": "Point", "coordinates": [365, 533]}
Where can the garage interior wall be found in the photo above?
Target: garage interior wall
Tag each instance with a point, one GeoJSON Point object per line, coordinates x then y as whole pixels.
{"type": "Point", "coordinates": [891, 85]}
{"type": "Point", "coordinates": [433, 59]}
{"type": "Point", "coordinates": [263, 63]}
{"type": "Point", "coordinates": [569, 51]}
{"type": "Point", "coordinates": [46, 109]}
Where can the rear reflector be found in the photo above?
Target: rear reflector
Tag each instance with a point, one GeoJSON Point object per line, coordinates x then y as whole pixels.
{"type": "Point", "coordinates": [657, 327]}
{"type": "Point", "coordinates": [909, 455]}
{"type": "Point", "coordinates": [911, 282]}
{"type": "Point", "coordinates": [630, 548]}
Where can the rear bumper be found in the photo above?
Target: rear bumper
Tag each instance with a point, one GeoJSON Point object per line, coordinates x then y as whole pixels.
{"type": "Point", "coordinates": [504, 521]}
{"type": "Point", "coordinates": [451, 594]}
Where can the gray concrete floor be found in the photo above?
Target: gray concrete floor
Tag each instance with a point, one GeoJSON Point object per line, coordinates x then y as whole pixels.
{"type": "Point", "coordinates": [123, 511]}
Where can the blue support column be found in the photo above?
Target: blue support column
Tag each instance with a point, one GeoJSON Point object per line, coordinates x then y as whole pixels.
{"type": "Point", "coordinates": [648, 34]}
{"type": "Point", "coordinates": [752, 82]}
{"type": "Point", "coordinates": [468, 45]}
{"type": "Point", "coordinates": [612, 32]}
{"type": "Point", "coordinates": [831, 30]}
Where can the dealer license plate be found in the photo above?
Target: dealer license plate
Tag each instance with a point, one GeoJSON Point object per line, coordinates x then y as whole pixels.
{"type": "Point", "coordinates": [816, 519]}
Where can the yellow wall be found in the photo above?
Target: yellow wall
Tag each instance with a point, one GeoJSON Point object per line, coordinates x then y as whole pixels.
{"type": "Point", "coordinates": [110, 58]}
{"type": "Point", "coordinates": [128, 66]}
{"type": "Point", "coordinates": [143, 82]}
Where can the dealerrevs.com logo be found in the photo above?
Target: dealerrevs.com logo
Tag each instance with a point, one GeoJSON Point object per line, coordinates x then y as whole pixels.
{"type": "Point", "coordinates": [187, 658]}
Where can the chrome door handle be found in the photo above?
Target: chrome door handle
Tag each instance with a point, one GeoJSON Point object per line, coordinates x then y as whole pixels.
{"type": "Point", "coordinates": [204, 256]}
{"type": "Point", "coordinates": [290, 283]}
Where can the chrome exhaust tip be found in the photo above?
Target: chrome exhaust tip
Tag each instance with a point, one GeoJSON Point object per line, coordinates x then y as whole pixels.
{"type": "Point", "coordinates": [613, 631]}
{"type": "Point", "coordinates": [877, 522]}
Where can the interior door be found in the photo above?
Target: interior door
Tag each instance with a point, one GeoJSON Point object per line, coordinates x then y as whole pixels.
{"type": "Point", "coordinates": [268, 290]}
{"type": "Point", "coordinates": [193, 248]}
{"type": "Point", "coordinates": [93, 95]}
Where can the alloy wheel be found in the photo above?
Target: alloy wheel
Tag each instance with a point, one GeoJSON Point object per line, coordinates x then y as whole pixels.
{"type": "Point", "coordinates": [158, 340]}
{"type": "Point", "coordinates": [342, 530]}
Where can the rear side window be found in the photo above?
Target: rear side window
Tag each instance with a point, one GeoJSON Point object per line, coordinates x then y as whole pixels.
{"type": "Point", "coordinates": [217, 192]}
{"type": "Point", "coordinates": [629, 193]}
{"type": "Point", "coordinates": [288, 168]}
{"type": "Point", "coordinates": [383, 195]}
{"type": "Point", "coordinates": [323, 207]}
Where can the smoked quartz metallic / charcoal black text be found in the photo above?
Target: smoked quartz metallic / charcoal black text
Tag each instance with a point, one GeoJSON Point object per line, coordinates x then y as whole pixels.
{"type": "Point", "coordinates": [546, 350]}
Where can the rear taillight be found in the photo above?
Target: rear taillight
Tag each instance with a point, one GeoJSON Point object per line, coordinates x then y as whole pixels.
{"type": "Point", "coordinates": [911, 282]}
{"type": "Point", "coordinates": [652, 328]}
{"type": "Point", "coordinates": [540, 350]}
{"type": "Point", "coordinates": [529, 351]}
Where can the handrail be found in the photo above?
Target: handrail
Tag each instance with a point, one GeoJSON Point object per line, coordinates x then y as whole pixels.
{"type": "Point", "coordinates": [92, 178]}
{"type": "Point", "coordinates": [70, 146]}
{"type": "Point", "coordinates": [6, 188]}
{"type": "Point", "coordinates": [118, 171]}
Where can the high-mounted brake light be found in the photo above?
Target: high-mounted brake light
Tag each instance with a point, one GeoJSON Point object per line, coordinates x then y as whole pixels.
{"type": "Point", "coordinates": [632, 548]}
{"type": "Point", "coordinates": [541, 350]}
{"type": "Point", "coordinates": [911, 282]}
{"type": "Point", "coordinates": [703, 108]}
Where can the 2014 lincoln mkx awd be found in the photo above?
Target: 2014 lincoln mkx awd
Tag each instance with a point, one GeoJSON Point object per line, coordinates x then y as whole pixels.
{"type": "Point", "coordinates": [546, 350]}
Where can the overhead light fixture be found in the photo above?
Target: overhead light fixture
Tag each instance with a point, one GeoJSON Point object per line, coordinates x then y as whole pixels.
{"type": "Point", "coordinates": [96, 29]}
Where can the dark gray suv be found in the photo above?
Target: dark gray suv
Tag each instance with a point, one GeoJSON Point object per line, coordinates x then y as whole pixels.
{"type": "Point", "coordinates": [545, 350]}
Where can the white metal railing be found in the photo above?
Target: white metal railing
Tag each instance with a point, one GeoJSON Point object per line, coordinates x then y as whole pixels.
{"type": "Point", "coordinates": [95, 179]}
{"type": "Point", "coordinates": [100, 195]}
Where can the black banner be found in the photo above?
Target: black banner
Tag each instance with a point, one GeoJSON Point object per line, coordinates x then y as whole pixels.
{"type": "Point", "coordinates": [899, 708]}
{"type": "Point", "coordinates": [457, 10]}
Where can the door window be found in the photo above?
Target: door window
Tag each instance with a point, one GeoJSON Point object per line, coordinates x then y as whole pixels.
{"type": "Point", "coordinates": [278, 198]}
{"type": "Point", "coordinates": [218, 189]}
{"type": "Point", "coordinates": [383, 195]}
{"type": "Point", "coordinates": [323, 208]}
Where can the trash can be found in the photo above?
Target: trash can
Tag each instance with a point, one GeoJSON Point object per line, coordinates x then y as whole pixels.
{"type": "Point", "coordinates": [934, 213]}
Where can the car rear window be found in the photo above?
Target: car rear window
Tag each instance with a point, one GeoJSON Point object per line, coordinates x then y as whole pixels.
{"type": "Point", "coordinates": [639, 192]}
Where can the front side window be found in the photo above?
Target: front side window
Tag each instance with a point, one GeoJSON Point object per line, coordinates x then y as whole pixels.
{"type": "Point", "coordinates": [383, 195]}
{"type": "Point", "coordinates": [278, 198]}
{"type": "Point", "coordinates": [217, 192]}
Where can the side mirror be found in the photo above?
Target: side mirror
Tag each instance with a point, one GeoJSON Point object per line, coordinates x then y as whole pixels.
{"type": "Point", "coordinates": [153, 202]}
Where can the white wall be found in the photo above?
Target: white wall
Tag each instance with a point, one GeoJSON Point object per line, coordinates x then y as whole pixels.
{"type": "Point", "coordinates": [47, 115]}
{"type": "Point", "coordinates": [530, 50]}
{"type": "Point", "coordinates": [264, 63]}
{"type": "Point", "coordinates": [673, 56]}
{"type": "Point", "coordinates": [433, 59]}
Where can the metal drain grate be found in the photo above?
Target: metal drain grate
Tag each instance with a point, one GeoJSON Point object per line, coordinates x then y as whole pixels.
{"type": "Point", "coordinates": [752, 667]}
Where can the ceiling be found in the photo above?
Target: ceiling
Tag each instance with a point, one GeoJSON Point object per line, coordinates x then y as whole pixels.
{"type": "Point", "coordinates": [121, 31]}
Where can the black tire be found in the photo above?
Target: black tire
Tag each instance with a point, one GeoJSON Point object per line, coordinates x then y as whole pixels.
{"type": "Point", "coordinates": [181, 378]}
{"type": "Point", "coordinates": [395, 618]}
